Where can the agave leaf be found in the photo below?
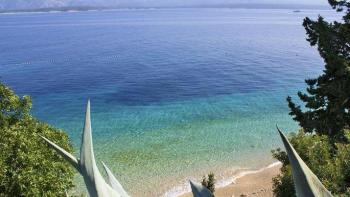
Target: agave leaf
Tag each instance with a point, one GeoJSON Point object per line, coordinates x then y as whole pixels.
{"type": "Point", "coordinates": [87, 157]}
{"type": "Point", "coordinates": [306, 182]}
{"type": "Point", "coordinates": [86, 166]}
{"type": "Point", "coordinates": [113, 182]}
{"type": "Point", "coordinates": [66, 155]}
{"type": "Point", "coordinates": [199, 190]}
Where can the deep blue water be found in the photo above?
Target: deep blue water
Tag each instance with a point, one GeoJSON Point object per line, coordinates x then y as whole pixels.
{"type": "Point", "coordinates": [172, 91]}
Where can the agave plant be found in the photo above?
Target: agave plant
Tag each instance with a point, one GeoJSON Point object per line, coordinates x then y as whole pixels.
{"type": "Point", "coordinates": [199, 190]}
{"type": "Point", "coordinates": [306, 182]}
{"type": "Point", "coordinates": [86, 165]}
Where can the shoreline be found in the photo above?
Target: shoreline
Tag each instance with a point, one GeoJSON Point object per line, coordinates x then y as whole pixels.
{"type": "Point", "coordinates": [294, 7]}
{"type": "Point", "coordinates": [245, 182]}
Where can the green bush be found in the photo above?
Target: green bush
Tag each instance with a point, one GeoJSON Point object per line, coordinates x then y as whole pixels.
{"type": "Point", "coordinates": [209, 183]}
{"type": "Point", "coordinates": [330, 163]}
{"type": "Point", "coordinates": [27, 166]}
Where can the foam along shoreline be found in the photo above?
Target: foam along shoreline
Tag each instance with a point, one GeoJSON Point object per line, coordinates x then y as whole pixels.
{"type": "Point", "coordinates": [245, 182]}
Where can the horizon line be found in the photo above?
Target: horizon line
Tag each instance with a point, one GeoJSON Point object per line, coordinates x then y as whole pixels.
{"type": "Point", "coordinates": [229, 6]}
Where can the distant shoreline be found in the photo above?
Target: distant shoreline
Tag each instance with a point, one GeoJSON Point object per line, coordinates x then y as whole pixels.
{"type": "Point", "coordinates": [59, 9]}
{"type": "Point", "coordinates": [101, 8]}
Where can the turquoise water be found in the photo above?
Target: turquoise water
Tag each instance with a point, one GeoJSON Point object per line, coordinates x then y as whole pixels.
{"type": "Point", "coordinates": [174, 93]}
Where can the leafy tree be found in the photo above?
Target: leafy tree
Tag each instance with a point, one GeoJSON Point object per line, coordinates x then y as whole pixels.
{"type": "Point", "coordinates": [209, 182]}
{"type": "Point", "coordinates": [27, 166]}
{"type": "Point", "coordinates": [327, 100]}
{"type": "Point", "coordinates": [12, 107]}
{"type": "Point", "coordinates": [333, 169]}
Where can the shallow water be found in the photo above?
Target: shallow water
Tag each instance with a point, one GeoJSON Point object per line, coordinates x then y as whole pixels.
{"type": "Point", "coordinates": [175, 93]}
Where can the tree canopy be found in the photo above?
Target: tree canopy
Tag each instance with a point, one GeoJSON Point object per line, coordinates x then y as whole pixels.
{"type": "Point", "coordinates": [27, 166]}
{"type": "Point", "coordinates": [327, 100]}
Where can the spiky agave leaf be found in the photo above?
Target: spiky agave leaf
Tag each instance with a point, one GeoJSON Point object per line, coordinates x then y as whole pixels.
{"type": "Point", "coordinates": [306, 182]}
{"type": "Point", "coordinates": [199, 190]}
{"type": "Point", "coordinates": [66, 155]}
{"type": "Point", "coordinates": [86, 166]}
{"type": "Point", "coordinates": [113, 182]}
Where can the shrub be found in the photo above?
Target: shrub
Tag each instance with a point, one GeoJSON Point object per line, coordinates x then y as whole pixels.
{"type": "Point", "coordinates": [209, 182]}
{"type": "Point", "coordinates": [329, 162]}
{"type": "Point", "coordinates": [27, 166]}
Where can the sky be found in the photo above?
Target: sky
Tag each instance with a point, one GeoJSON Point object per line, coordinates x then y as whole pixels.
{"type": "Point", "coordinates": [28, 4]}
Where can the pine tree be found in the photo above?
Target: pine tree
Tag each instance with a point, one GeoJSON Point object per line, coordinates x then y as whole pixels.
{"type": "Point", "coordinates": [327, 101]}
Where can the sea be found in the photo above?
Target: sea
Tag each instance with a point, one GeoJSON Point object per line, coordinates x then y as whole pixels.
{"type": "Point", "coordinates": [175, 93]}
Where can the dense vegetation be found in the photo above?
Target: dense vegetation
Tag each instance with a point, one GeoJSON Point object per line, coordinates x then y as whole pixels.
{"type": "Point", "coordinates": [331, 167]}
{"type": "Point", "coordinates": [209, 183]}
{"type": "Point", "coordinates": [27, 166]}
{"type": "Point", "coordinates": [324, 141]}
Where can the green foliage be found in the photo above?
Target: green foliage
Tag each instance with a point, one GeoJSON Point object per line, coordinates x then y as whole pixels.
{"type": "Point", "coordinates": [329, 162]}
{"type": "Point", "coordinates": [209, 182]}
{"type": "Point", "coordinates": [27, 166]}
{"type": "Point", "coordinates": [327, 100]}
{"type": "Point", "coordinates": [12, 107]}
